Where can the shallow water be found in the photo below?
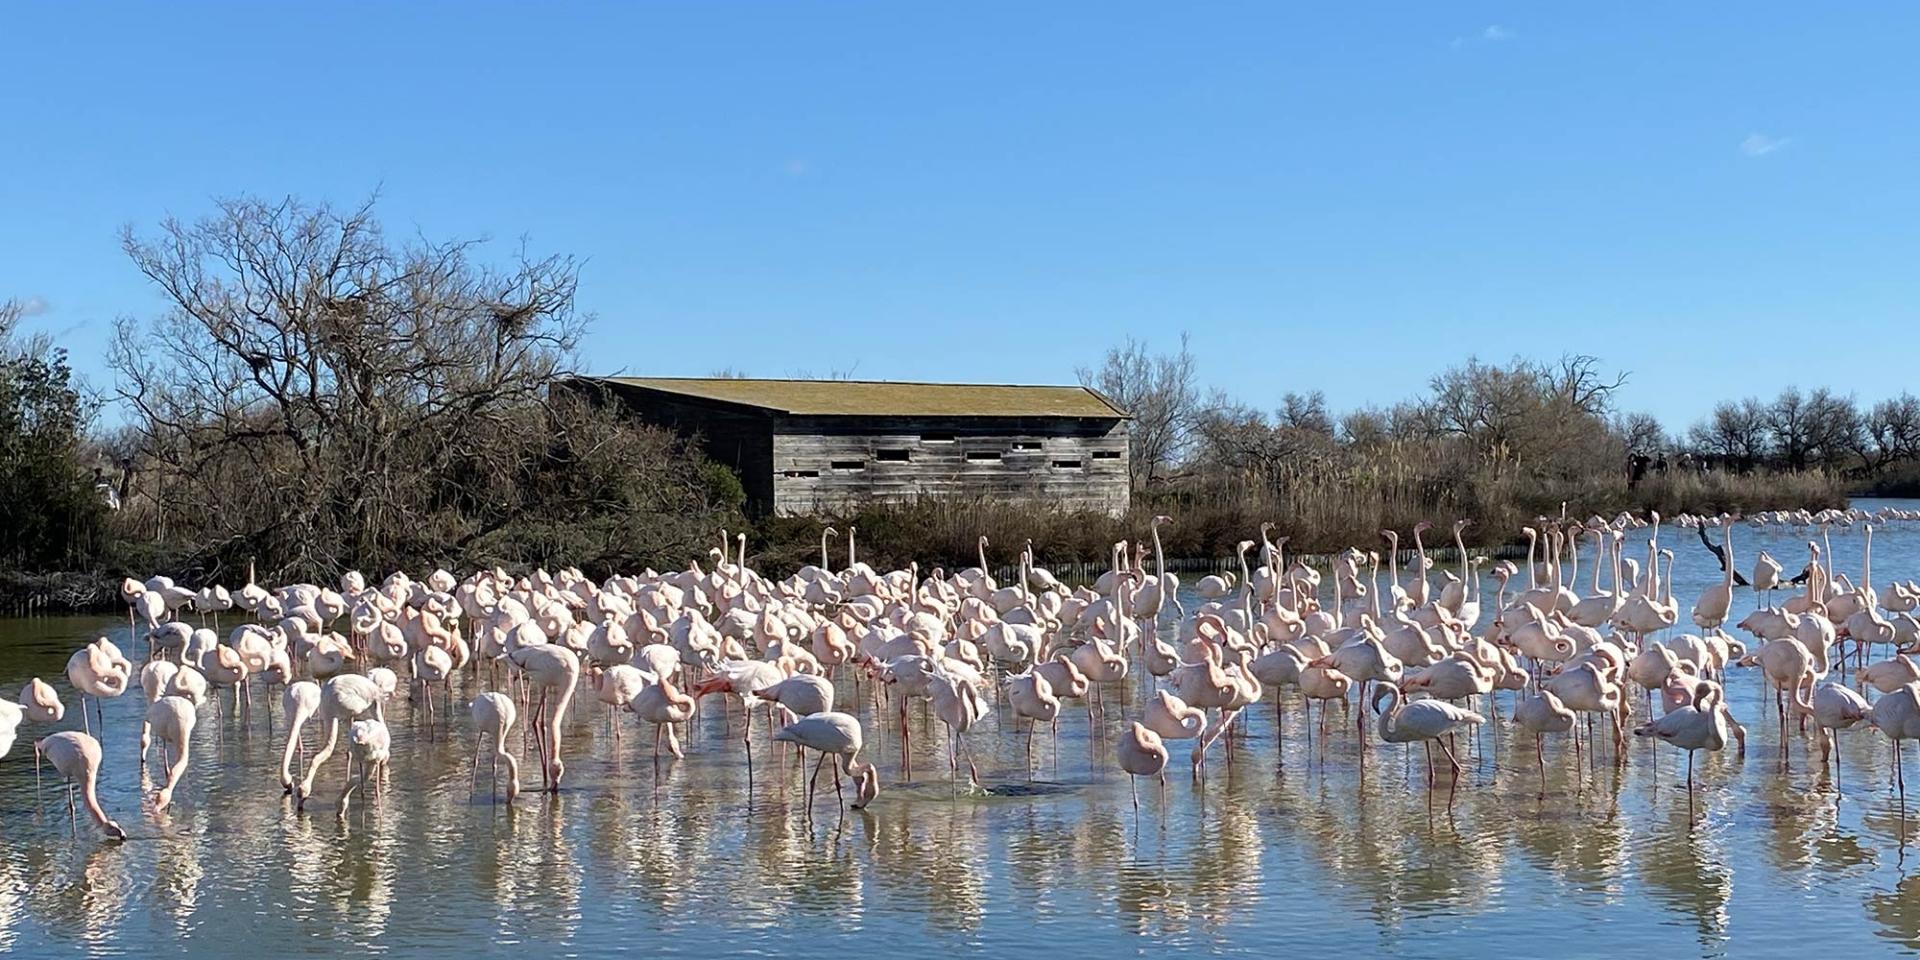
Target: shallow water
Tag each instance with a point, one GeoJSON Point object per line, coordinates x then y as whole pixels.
{"type": "Point", "coordinates": [1322, 847]}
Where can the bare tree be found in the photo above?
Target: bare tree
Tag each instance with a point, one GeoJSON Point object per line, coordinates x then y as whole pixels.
{"type": "Point", "coordinates": [1306, 412]}
{"type": "Point", "coordinates": [1736, 431]}
{"type": "Point", "coordinates": [1160, 391]}
{"type": "Point", "coordinates": [1241, 439]}
{"type": "Point", "coordinates": [1642, 434]}
{"type": "Point", "coordinates": [1834, 428]}
{"type": "Point", "coordinates": [1890, 432]}
{"type": "Point", "coordinates": [1788, 428]}
{"type": "Point", "coordinates": [329, 399]}
{"type": "Point", "coordinates": [1524, 412]}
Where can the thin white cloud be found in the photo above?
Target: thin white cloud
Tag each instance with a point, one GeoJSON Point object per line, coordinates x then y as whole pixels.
{"type": "Point", "coordinates": [1759, 144]}
{"type": "Point", "coordinates": [34, 306]}
{"type": "Point", "coordinates": [1493, 33]}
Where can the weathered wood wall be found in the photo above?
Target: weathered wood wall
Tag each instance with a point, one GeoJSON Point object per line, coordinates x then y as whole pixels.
{"type": "Point", "coordinates": [823, 462]}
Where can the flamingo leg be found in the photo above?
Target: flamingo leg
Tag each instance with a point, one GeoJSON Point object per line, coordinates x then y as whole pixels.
{"type": "Point", "coordinates": [1900, 779]}
{"type": "Point", "coordinates": [473, 778]}
{"type": "Point", "coordinates": [1689, 786]}
{"type": "Point", "coordinates": [811, 781]}
{"type": "Point", "coordinates": [1451, 759]}
{"type": "Point", "coordinates": [1835, 740]}
{"type": "Point", "coordinates": [1540, 757]}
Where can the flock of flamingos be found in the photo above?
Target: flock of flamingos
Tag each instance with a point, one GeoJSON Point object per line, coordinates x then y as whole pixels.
{"type": "Point", "coordinates": [1423, 658]}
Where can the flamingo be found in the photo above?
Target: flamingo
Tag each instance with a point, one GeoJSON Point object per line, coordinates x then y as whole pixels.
{"type": "Point", "coordinates": [1543, 713]}
{"type": "Point", "coordinates": [41, 702]}
{"type": "Point", "coordinates": [1832, 707]}
{"type": "Point", "coordinates": [1898, 716]}
{"type": "Point", "coordinates": [371, 743]}
{"type": "Point", "coordinates": [76, 757]}
{"type": "Point", "coordinates": [1886, 676]}
{"type": "Point", "coordinates": [299, 701]}
{"type": "Point", "coordinates": [553, 672]}
{"type": "Point", "coordinates": [1699, 725]}
{"type": "Point", "coordinates": [10, 716]}
{"type": "Point", "coordinates": [660, 703]}
{"type": "Point", "coordinates": [1032, 697]}
{"type": "Point", "coordinates": [958, 705]}
{"type": "Point", "coordinates": [837, 735]}
{"type": "Point", "coordinates": [346, 698]}
{"type": "Point", "coordinates": [493, 716]}
{"type": "Point", "coordinates": [98, 670]}
{"type": "Point", "coordinates": [615, 686]}
{"type": "Point", "coordinates": [1766, 577]}
{"type": "Point", "coordinates": [173, 718]}
{"type": "Point", "coordinates": [1171, 718]}
{"type": "Point", "coordinates": [1407, 721]}
{"type": "Point", "coordinates": [1141, 754]}
{"type": "Point", "coordinates": [1711, 609]}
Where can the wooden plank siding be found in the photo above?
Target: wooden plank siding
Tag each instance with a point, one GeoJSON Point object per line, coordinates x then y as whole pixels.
{"type": "Point", "coordinates": [794, 464]}
{"type": "Point", "coordinates": [820, 463]}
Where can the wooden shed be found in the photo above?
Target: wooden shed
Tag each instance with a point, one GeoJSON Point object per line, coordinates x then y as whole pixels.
{"type": "Point", "coordinates": [809, 446]}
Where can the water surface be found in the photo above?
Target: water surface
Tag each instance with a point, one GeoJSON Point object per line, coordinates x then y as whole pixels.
{"type": "Point", "coordinates": [1325, 848]}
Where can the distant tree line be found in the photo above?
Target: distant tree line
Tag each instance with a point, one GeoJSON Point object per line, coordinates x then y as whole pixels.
{"type": "Point", "coordinates": [1818, 428]}
{"type": "Point", "coordinates": [1555, 418]}
{"type": "Point", "coordinates": [1496, 442]}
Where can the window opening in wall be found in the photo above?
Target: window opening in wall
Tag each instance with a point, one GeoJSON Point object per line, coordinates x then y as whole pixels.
{"type": "Point", "coordinates": [849, 464]}
{"type": "Point", "coordinates": [1066, 464]}
{"type": "Point", "coordinates": [893, 456]}
{"type": "Point", "coordinates": [979, 456]}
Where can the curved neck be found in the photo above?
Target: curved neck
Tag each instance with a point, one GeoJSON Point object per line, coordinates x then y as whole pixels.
{"type": "Point", "coordinates": [1726, 548]}
{"type": "Point", "coordinates": [1866, 563]}
{"type": "Point", "coordinates": [175, 770]}
{"type": "Point", "coordinates": [92, 799]}
{"type": "Point", "coordinates": [1389, 717]}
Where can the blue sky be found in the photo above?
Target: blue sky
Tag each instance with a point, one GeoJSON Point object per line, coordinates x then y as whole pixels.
{"type": "Point", "coordinates": [1721, 200]}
